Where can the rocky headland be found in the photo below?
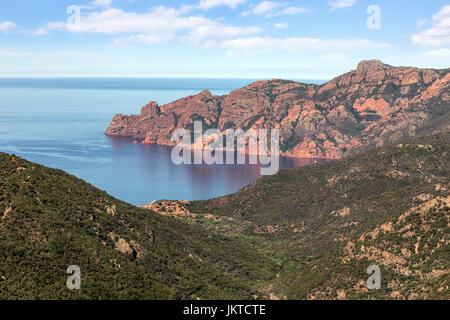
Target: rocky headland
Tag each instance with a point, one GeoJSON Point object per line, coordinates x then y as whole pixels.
{"type": "Point", "coordinates": [367, 107]}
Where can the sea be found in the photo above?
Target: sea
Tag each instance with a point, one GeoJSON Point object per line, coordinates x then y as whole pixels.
{"type": "Point", "coordinates": [60, 123]}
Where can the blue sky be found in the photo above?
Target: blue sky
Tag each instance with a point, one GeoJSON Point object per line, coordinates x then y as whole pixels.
{"type": "Point", "coordinates": [301, 39]}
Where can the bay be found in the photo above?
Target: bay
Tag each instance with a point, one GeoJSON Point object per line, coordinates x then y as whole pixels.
{"type": "Point", "coordinates": [60, 123]}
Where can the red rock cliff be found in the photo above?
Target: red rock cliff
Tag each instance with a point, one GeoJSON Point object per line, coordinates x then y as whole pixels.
{"type": "Point", "coordinates": [370, 106]}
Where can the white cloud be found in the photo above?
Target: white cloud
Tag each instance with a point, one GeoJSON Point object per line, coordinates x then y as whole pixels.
{"type": "Point", "coordinates": [270, 8]}
{"type": "Point", "coordinates": [340, 4]}
{"type": "Point", "coordinates": [263, 8]}
{"type": "Point", "coordinates": [7, 25]}
{"type": "Point", "coordinates": [305, 44]}
{"type": "Point", "coordinates": [112, 20]}
{"type": "Point", "coordinates": [281, 25]}
{"type": "Point", "coordinates": [158, 25]}
{"type": "Point", "coordinates": [218, 31]}
{"type": "Point", "coordinates": [102, 3]}
{"type": "Point", "coordinates": [439, 33]}
{"type": "Point", "coordinates": [146, 39]}
{"type": "Point", "coordinates": [293, 10]}
{"type": "Point", "coordinates": [421, 23]}
{"type": "Point", "coordinates": [209, 4]}
{"type": "Point", "coordinates": [162, 24]}
{"type": "Point", "coordinates": [41, 31]}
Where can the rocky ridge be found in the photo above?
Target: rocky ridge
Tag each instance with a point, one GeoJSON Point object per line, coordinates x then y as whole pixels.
{"type": "Point", "coordinates": [367, 107]}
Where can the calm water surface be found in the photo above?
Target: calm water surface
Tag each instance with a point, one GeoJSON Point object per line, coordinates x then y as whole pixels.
{"type": "Point", "coordinates": [61, 122]}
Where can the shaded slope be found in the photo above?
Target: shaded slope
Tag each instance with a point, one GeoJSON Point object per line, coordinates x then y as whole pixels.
{"type": "Point", "coordinates": [50, 220]}
{"type": "Point", "coordinates": [327, 223]}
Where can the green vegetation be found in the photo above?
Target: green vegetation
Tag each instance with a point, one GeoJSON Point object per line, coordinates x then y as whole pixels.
{"type": "Point", "coordinates": [305, 233]}
{"type": "Point", "coordinates": [50, 220]}
{"type": "Point", "coordinates": [326, 223]}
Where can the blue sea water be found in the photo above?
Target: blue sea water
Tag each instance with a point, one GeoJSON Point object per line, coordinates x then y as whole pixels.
{"type": "Point", "coordinates": [60, 123]}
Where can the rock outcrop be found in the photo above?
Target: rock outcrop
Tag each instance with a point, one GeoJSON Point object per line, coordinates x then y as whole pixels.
{"type": "Point", "coordinates": [370, 106]}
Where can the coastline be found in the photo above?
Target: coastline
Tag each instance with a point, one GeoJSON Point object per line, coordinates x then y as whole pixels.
{"type": "Point", "coordinates": [192, 147]}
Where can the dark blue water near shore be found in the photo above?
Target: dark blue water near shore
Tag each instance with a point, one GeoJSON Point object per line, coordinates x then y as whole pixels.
{"type": "Point", "coordinates": [61, 122]}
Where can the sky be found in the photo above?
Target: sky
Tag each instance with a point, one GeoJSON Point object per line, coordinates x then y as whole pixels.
{"type": "Point", "coordinates": [289, 39]}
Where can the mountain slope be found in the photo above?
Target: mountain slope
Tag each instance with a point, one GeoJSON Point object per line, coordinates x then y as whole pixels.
{"type": "Point", "coordinates": [306, 233]}
{"type": "Point", "coordinates": [370, 106]}
{"type": "Point", "coordinates": [50, 220]}
{"type": "Point", "coordinates": [328, 222]}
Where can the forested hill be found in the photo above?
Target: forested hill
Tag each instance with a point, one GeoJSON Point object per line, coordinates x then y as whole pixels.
{"type": "Point", "coordinates": [50, 220]}
{"type": "Point", "coordinates": [328, 222]}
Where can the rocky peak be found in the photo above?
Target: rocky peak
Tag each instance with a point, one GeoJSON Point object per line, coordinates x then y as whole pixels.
{"type": "Point", "coordinates": [371, 71]}
{"type": "Point", "coordinates": [367, 65]}
{"type": "Point", "coordinates": [151, 109]}
{"type": "Point", "coordinates": [206, 94]}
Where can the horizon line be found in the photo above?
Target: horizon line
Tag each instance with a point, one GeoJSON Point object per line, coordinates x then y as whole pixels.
{"type": "Point", "coordinates": [160, 77]}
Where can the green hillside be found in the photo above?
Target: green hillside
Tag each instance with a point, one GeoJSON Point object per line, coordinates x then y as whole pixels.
{"type": "Point", "coordinates": [308, 233]}
{"type": "Point", "coordinates": [327, 223]}
{"type": "Point", "coordinates": [50, 220]}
